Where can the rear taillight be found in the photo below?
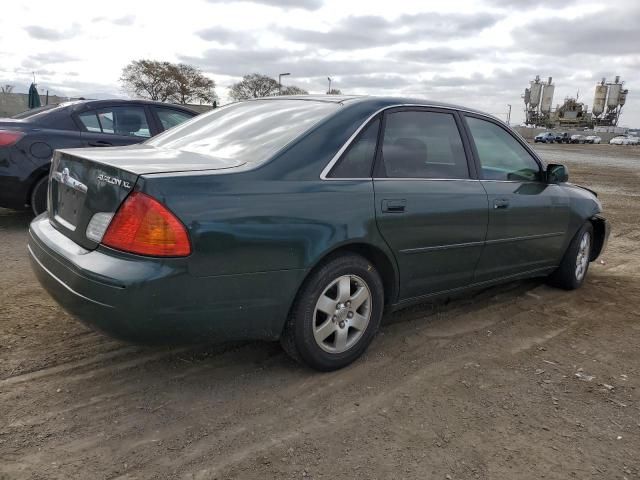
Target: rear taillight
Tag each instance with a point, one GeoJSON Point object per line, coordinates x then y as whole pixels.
{"type": "Point", "coordinates": [9, 137]}
{"type": "Point", "coordinates": [144, 226]}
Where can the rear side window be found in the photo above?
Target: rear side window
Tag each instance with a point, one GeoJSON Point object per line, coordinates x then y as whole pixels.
{"type": "Point", "coordinates": [358, 159]}
{"type": "Point", "coordinates": [501, 156]}
{"type": "Point", "coordinates": [90, 121]}
{"type": "Point", "coordinates": [421, 144]}
{"type": "Point", "coordinates": [125, 121]}
{"type": "Point", "coordinates": [170, 118]}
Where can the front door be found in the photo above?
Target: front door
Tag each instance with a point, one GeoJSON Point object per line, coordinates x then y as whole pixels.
{"type": "Point", "coordinates": [429, 209]}
{"type": "Point", "coordinates": [528, 218]}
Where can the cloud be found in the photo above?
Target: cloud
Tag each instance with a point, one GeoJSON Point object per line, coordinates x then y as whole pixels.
{"type": "Point", "coordinates": [358, 32]}
{"type": "Point", "coordinates": [226, 37]}
{"type": "Point", "coordinates": [238, 62]}
{"type": "Point", "coordinates": [595, 34]}
{"type": "Point", "coordinates": [434, 55]}
{"type": "Point", "coordinates": [47, 58]}
{"type": "Point", "coordinates": [373, 82]}
{"type": "Point", "coordinates": [44, 33]}
{"type": "Point", "coordinates": [287, 4]}
{"type": "Point", "coordinates": [531, 5]}
{"type": "Point", "coordinates": [124, 21]}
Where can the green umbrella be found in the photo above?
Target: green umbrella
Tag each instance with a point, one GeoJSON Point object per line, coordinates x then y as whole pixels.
{"type": "Point", "coordinates": [34, 98]}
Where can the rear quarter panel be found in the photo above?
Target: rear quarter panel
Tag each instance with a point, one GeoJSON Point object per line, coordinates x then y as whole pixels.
{"type": "Point", "coordinates": [245, 225]}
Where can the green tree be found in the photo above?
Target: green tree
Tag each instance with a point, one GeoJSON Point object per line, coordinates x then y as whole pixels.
{"type": "Point", "coordinates": [334, 91]}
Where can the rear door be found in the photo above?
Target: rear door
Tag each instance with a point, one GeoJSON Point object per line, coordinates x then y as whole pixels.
{"type": "Point", "coordinates": [115, 126]}
{"type": "Point", "coordinates": [430, 208]}
{"type": "Point", "coordinates": [528, 218]}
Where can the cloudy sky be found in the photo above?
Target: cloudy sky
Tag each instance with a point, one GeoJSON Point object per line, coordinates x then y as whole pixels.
{"type": "Point", "coordinates": [476, 53]}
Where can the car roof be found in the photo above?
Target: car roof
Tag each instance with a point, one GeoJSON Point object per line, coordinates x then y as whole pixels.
{"type": "Point", "coordinates": [122, 101]}
{"type": "Point", "coordinates": [379, 102]}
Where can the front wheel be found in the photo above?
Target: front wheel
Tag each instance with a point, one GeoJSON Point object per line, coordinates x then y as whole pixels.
{"type": "Point", "coordinates": [573, 268]}
{"type": "Point", "coordinates": [336, 314]}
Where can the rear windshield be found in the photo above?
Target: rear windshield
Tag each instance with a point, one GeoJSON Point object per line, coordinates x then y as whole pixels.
{"type": "Point", "coordinates": [248, 131]}
{"type": "Point", "coordinates": [42, 112]}
{"type": "Point", "coordinates": [34, 111]}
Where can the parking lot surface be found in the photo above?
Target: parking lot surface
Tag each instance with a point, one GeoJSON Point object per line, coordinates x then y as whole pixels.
{"type": "Point", "coordinates": [517, 381]}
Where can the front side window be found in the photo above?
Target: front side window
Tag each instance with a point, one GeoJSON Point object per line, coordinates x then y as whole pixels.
{"type": "Point", "coordinates": [421, 144]}
{"type": "Point", "coordinates": [170, 118]}
{"type": "Point", "coordinates": [501, 156]}
{"type": "Point", "coordinates": [126, 121]}
{"type": "Point", "coordinates": [358, 159]}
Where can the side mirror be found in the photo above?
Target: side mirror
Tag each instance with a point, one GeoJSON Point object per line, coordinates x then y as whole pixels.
{"type": "Point", "coordinates": [557, 173]}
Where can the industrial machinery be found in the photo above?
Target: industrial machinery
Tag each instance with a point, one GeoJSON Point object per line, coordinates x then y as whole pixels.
{"type": "Point", "coordinates": [538, 99]}
{"type": "Point", "coordinates": [608, 101]}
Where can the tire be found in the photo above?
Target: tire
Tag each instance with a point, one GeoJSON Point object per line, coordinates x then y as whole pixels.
{"type": "Point", "coordinates": [39, 196]}
{"type": "Point", "coordinates": [326, 330]}
{"type": "Point", "coordinates": [574, 266]}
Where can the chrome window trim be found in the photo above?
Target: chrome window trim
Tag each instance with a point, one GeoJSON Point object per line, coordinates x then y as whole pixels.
{"type": "Point", "coordinates": [347, 144]}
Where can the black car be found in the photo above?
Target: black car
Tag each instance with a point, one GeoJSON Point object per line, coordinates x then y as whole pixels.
{"type": "Point", "coordinates": [27, 140]}
{"type": "Point", "coordinates": [563, 137]}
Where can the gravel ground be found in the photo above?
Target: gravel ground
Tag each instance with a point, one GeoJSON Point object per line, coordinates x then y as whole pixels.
{"type": "Point", "coordinates": [518, 381]}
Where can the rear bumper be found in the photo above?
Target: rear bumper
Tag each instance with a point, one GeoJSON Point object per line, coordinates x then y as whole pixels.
{"type": "Point", "coordinates": [148, 300]}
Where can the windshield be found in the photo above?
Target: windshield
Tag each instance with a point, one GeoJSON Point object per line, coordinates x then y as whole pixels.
{"type": "Point", "coordinates": [247, 131]}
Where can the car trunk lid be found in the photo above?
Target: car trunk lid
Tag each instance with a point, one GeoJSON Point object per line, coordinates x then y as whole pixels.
{"type": "Point", "coordinates": [87, 181]}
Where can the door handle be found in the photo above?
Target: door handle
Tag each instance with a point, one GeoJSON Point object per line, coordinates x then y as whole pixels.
{"type": "Point", "coordinates": [501, 203]}
{"type": "Point", "coordinates": [396, 205]}
{"type": "Point", "coordinates": [100, 143]}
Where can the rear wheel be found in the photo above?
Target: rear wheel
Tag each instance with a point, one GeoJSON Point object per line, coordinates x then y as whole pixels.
{"type": "Point", "coordinates": [575, 263]}
{"type": "Point", "coordinates": [336, 314]}
{"type": "Point", "coordinates": [39, 196]}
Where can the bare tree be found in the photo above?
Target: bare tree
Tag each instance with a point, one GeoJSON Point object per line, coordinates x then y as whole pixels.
{"type": "Point", "coordinates": [190, 85]}
{"type": "Point", "coordinates": [164, 81]}
{"type": "Point", "coordinates": [334, 91]}
{"type": "Point", "coordinates": [254, 85]}
{"type": "Point", "coordinates": [293, 90]}
{"type": "Point", "coordinates": [148, 79]}
{"type": "Point", "coordinates": [7, 89]}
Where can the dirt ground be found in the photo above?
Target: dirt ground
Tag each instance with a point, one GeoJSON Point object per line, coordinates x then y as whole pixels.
{"type": "Point", "coordinates": [519, 381]}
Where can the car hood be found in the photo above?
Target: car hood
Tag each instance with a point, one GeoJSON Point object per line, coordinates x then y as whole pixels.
{"type": "Point", "coordinates": [144, 159]}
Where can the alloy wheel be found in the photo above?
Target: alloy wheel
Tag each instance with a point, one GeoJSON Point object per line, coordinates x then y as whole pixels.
{"type": "Point", "coordinates": [582, 259]}
{"type": "Point", "coordinates": [342, 314]}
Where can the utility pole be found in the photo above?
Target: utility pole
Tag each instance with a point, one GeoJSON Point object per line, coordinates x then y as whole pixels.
{"type": "Point", "coordinates": [329, 91]}
{"type": "Point", "coordinates": [509, 114]}
{"type": "Point", "coordinates": [280, 82]}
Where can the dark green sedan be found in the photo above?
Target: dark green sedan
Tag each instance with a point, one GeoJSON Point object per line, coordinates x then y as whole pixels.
{"type": "Point", "coordinates": [302, 219]}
